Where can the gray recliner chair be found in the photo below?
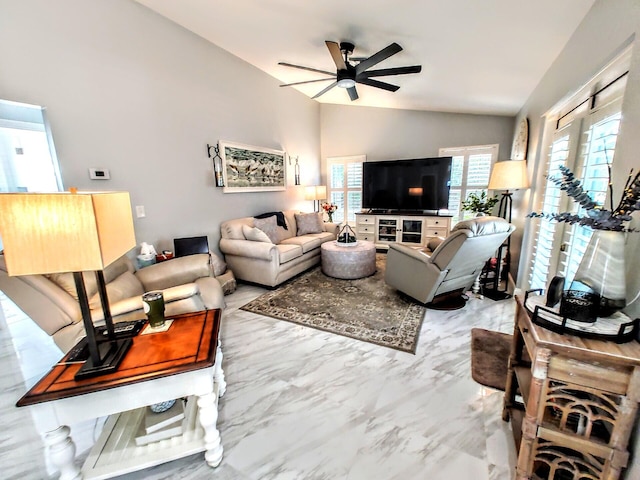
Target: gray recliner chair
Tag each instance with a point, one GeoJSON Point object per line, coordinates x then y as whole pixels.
{"type": "Point", "coordinates": [448, 267]}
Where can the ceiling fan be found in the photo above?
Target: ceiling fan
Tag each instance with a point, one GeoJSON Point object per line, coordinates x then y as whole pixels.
{"type": "Point", "coordinates": [355, 70]}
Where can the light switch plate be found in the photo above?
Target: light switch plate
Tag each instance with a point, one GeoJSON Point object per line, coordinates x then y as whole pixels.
{"type": "Point", "coordinates": [99, 174]}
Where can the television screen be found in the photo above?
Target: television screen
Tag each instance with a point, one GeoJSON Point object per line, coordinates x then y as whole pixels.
{"type": "Point", "coordinates": [420, 184]}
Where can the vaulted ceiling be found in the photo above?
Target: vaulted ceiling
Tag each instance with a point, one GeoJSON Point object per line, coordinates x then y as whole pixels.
{"type": "Point", "coordinates": [477, 56]}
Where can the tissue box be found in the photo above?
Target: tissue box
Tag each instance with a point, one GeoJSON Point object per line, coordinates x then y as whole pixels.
{"type": "Point", "coordinates": [146, 260]}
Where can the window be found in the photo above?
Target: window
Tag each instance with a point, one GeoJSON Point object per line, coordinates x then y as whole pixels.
{"type": "Point", "coordinates": [27, 156]}
{"type": "Point", "coordinates": [582, 135]}
{"type": "Point", "coordinates": [470, 171]}
{"type": "Point", "coordinates": [344, 186]}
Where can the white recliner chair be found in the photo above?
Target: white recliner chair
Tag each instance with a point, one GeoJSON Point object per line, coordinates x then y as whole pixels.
{"type": "Point", "coordinates": [437, 276]}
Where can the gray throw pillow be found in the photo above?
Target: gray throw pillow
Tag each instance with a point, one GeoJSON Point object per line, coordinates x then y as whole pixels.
{"type": "Point", "coordinates": [269, 226]}
{"type": "Point", "coordinates": [308, 223]}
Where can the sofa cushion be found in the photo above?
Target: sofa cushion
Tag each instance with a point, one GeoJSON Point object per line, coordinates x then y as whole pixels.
{"type": "Point", "coordinates": [269, 227]}
{"type": "Point", "coordinates": [306, 242]}
{"type": "Point", "coordinates": [288, 252]}
{"type": "Point", "coordinates": [125, 286]}
{"type": "Point", "coordinates": [308, 223]}
{"type": "Point", "coordinates": [255, 234]}
{"type": "Point", "coordinates": [67, 283]}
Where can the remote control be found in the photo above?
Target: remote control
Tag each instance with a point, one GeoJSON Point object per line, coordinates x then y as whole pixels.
{"type": "Point", "coordinates": [79, 352]}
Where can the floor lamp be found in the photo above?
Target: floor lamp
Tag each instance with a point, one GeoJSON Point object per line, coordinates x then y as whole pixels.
{"type": "Point", "coordinates": [507, 175]}
{"type": "Point", "coordinates": [46, 233]}
{"type": "Point", "coordinates": [315, 193]}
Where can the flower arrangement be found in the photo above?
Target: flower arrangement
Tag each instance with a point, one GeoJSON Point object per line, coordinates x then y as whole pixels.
{"type": "Point", "coordinates": [597, 217]}
{"type": "Point", "coordinates": [329, 208]}
{"type": "Point", "coordinates": [479, 203]}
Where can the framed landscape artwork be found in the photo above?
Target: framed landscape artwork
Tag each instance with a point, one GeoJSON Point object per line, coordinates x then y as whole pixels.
{"type": "Point", "coordinates": [252, 169]}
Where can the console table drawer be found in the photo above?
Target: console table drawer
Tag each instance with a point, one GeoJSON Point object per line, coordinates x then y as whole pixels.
{"type": "Point", "coordinates": [435, 222]}
{"type": "Point", "coordinates": [435, 232]}
{"type": "Point", "coordinates": [366, 219]}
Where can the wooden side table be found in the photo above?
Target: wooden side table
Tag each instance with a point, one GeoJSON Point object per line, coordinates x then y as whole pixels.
{"type": "Point", "coordinates": [572, 402]}
{"type": "Point", "coordinates": [185, 361]}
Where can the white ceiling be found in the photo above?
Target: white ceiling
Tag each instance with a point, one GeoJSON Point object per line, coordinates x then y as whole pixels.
{"type": "Point", "coordinates": [477, 56]}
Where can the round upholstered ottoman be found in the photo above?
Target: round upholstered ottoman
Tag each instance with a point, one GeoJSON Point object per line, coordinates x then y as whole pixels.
{"type": "Point", "coordinates": [348, 262]}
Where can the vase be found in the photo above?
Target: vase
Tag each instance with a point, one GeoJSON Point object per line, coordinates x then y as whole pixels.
{"type": "Point", "coordinates": [330, 215]}
{"type": "Point", "coordinates": [601, 273]}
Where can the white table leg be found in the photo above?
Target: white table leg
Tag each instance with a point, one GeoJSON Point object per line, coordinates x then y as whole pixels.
{"type": "Point", "coordinates": [208, 410]}
{"type": "Point", "coordinates": [62, 452]}
{"type": "Point", "coordinates": [218, 374]}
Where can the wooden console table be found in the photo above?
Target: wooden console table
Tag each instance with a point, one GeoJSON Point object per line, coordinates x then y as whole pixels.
{"type": "Point", "coordinates": [184, 361]}
{"type": "Point", "coordinates": [572, 402]}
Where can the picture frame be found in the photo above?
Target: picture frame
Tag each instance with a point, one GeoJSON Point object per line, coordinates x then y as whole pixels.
{"type": "Point", "coordinates": [247, 168]}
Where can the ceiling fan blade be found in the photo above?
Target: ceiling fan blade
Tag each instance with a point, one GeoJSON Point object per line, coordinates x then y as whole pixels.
{"type": "Point", "coordinates": [378, 57]}
{"type": "Point", "coordinates": [377, 84]}
{"type": "Point", "coordinates": [306, 81]}
{"type": "Point", "coordinates": [353, 94]}
{"type": "Point", "coordinates": [333, 74]}
{"type": "Point", "coordinates": [334, 50]}
{"type": "Point", "coordinates": [325, 90]}
{"type": "Point", "coordinates": [391, 71]}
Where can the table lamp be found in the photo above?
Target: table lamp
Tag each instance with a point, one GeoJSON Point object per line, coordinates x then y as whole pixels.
{"type": "Point", "coordinates": [315, 193]}
{"type": "Point", "coordinates": [46, 233]}
{"type": "Point", "coordinates": [506, 175]}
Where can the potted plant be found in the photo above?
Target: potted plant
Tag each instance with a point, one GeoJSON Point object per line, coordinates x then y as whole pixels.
{"type": "Point", "coordinates": [480, 204]}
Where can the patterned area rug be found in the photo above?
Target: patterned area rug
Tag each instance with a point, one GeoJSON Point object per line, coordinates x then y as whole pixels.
{"type": "Point", "coordinates": [366, 309]}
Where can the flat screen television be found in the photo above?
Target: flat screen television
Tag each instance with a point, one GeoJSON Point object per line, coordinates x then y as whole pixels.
{"type": "Point", "coordinates": [421, 184]}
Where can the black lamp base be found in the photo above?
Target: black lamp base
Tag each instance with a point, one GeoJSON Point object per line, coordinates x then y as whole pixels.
{"type": "Point", "coordinates": [111, 354]}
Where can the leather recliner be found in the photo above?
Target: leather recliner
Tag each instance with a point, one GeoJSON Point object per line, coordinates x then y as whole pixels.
{"type": "Point", "coordinates": [450, 265]}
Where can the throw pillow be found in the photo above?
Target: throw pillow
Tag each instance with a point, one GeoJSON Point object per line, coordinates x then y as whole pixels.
{"type": "Point", "coordinates": [308, 223]}
{"type": "Point", "coordinates": [255, 234]}
{"type": "Point", "coordinates": [269, 226]}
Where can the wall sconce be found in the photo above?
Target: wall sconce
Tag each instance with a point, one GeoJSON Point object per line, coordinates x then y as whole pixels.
{"type": "Point", "coordinates": [217, 164]}
{"type": "Point", "coordinates": [415, 191]}
{"type": "Point", "coordinates": [296, 170]}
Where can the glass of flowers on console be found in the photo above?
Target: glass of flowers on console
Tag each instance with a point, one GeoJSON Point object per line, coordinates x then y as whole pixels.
{"type": "Point", "coordinates": [598, 288]}
{"type": "Point", "coordinates": [329, 209]}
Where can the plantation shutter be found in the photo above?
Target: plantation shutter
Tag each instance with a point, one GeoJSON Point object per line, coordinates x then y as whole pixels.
{"type": "Point", "coordinates": [345, 186]}
{"type": "Point", "coordinates": [584, 140]}
{"type": "Point", "coordinates": [470, 171]}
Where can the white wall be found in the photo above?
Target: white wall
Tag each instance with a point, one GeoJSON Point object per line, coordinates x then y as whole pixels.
{"type": "Point", "coordinates": [387, 134]}
{"type": "Point", "coordinates": [605, 30]}
{"type": "Point", "coordinates": [127, 90]}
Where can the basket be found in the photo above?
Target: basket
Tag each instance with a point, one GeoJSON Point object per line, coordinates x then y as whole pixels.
{"type": "Point", "coordinates": [346, 236]}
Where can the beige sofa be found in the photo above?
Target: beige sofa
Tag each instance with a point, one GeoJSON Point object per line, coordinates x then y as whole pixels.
{"type": "Point", "coordinates": [270, 262]}
{"type": "Point", "coordinates": [51, 301]}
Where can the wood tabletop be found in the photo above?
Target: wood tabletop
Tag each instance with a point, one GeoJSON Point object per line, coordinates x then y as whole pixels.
{"type": "Point", "coordinates": [582, 348]}
{"type": "Point", "coordinates": [189, 344]}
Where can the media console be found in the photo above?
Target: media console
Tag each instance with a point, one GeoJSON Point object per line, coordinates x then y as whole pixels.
{"type": "Point", "coordinates": [412, 229]}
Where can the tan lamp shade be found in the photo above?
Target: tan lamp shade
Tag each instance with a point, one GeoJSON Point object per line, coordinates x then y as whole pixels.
{"type": "Point", "coordinates": [315, 192]}
{"type": "Point", "coordinates": [509, 175]}
{"type": "Point", "coordinates": [64, 232]}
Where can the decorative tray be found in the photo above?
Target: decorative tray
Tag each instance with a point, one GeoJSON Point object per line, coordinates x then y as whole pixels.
{"type": "Point", "coordinates": [618, 327]}
{"type": "Point", "coordinates": [346, 244]}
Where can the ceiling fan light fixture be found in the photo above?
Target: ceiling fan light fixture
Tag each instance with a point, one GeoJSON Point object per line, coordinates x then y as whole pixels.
{"type": "Point", "coordinates": [346, 83]}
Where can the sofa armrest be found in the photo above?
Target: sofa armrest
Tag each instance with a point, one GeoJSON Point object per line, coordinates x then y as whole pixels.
{"type": "Point", "coordinates": [176, 271]}
{"type": "Point", "coordinates": [331, 228]}
{"type": "Point", "coordinates": [248, 248]}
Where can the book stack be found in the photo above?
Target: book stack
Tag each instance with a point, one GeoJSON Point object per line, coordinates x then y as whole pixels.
{"type": "Point", "coordinates": [160, 426]}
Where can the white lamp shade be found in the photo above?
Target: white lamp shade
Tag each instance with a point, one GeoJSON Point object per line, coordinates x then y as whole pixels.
{"type": "Point", "coordinates": [315, 192]}
{"type": "Point", "coordinates": [509, 175]}
{"type": "Point", "coordinates": [64, 232]}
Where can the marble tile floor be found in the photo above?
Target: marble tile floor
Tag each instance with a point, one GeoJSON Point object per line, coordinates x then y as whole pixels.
{"type": "Point", "coordinates": [306, 404]}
